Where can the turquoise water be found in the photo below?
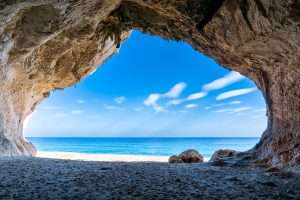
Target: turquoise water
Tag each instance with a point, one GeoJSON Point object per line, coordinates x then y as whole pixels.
{"type": "Point", "coordinates": [142, 146]}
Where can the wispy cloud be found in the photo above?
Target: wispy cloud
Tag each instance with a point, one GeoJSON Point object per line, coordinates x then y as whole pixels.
{"type": "Point", "coordinates": [222, 104]}
{"type": "Point", "coordinates": [152, 100]}
{"type": "Point", "coordinates": [238, 110]}
{"type": "Point", "coordinates": [227, 103]}
{"type": "Point", "coordinates": [189, 106]}
{"type": "Point", "coordinates": [234, 102]}
{"type": "Point", "coordinates": [120, 100]}
{"type": "Point", "coordinates": [174, 92]}
{"type": "Point", "coordinates": [80, 101]}
{"type": "Point", "coordinates": [222, 110]}
{"type": "Point", "coordinates": [196, 96]}
{"type": "Point", "coordinates": [232, 110]}
{"type": "Point", "coordinates": [158, 109]}
{"type": "Point", "coordinates": [175, 102]}
{"type": "Point", "coordinates": [226, 80]}
{"type": "Point", "coordinates": [234, 93]}
{"type": "Point", "coordinates": [222, 82]}
{"type": "Point", "coordinates": [191, 97]}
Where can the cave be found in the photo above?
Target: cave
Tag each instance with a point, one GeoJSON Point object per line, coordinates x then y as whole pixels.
{"type": "Point", "coordinates": [109, 104]}
{"type": "Point", "coordinates": [50, 45]}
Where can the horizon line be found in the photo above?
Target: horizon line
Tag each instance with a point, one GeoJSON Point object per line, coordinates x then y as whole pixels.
{"type": "Point", "coordinates": [117, 137]}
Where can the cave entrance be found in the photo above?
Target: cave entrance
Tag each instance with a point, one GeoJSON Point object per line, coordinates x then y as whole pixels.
{"type": "Point", "coordinates": [156, 89]}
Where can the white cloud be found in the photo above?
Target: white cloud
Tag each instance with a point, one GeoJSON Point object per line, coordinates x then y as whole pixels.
{"type": "Point", "coordinates": [80, 101]}
{"type": "Point", "coordinates": [152, 100]}
{"type": "Point", "coordinates": [232, 110]}
{"type": "Point", "coordinates": [222, 110]}
{"type": "Point", "coordinates": [234, 93]}
{"type": "Point", "coordinates": [238, 110]}
{"type": "Point", "coordinates": [189, 106]}
{"type": "Point", "coordinates": [222, 104]}
{"type": "Point", "coordinates": [61, 114]}
{"type": "Point", "coordinates": [76, 112]}
{"type": "Point", "coordinates": [159, 109]}
{"type": "Point", "coordinates": [120, 100]}
{"type": "Point", "coordinates": [196, 96]}
{"type": "Point", "coordinates": [175, 102]}
{"type": "Point", "coordinates": [234, 102]}
{"type": "Point", "coordinates": [176, 90]}
{"type": "Point", "coordinates": [226, 80]}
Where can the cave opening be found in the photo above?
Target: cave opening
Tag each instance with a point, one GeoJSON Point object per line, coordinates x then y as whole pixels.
{"type": "Point", "coordinates": [53, 45]}
{"type": "Point", "coordinates": [153, 88]}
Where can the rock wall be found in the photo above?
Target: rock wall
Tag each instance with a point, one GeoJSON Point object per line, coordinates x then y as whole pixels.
{"type": "Point", "coordinates": [52, 44]}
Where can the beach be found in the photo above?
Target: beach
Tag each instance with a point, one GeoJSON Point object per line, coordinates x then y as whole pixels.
{"type": "Point", "coordinates": [44, 178]}
{"type": "Point", "coordinates": [101, 157]}
{"type": "Point", "coordinates": [133, 149]}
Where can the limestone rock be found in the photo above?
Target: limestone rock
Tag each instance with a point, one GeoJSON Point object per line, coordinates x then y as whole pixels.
{"type": "Point", "coordinates": [175, 159]}
{"type": "Point", "coordinates": [49, 45]}
{"type": "Point", "coordinates": [188, 156]}
{"type": "Point", "coordinates": [221, 154]}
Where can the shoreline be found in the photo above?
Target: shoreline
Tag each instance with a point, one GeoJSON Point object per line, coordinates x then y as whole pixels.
{"type": "Point", "coordinates": [101, 157]}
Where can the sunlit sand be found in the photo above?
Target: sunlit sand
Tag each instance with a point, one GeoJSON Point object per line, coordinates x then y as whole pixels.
{"type": "Point", "coordinates": [101, 157]}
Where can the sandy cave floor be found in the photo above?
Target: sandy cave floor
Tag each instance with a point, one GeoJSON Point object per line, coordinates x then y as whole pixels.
{"type": "Point", "coordinates": [40, 178]}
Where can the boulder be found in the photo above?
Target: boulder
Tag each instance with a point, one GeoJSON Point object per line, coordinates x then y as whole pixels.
{"type": "Point", "coordinates": [191, 156]}
{"type": "Point", "coordinates": [175, 159]}
{"type": "Point", "coordinates": [188, 156]}
{"type": "Point", "coordinates": [221, 154]}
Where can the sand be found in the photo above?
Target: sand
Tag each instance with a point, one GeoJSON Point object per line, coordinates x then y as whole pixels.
{"type": "Point", "coordinates": [58, 179]}
{"type": "Point", "coordinates": [101, 157]}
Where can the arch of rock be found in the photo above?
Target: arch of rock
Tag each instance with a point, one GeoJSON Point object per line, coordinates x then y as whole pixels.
{"type": "Point", "coordinates": [52, 44]}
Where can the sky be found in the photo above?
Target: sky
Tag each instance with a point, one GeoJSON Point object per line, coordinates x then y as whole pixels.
{"type": "Point", "coordinates": [153, 88]}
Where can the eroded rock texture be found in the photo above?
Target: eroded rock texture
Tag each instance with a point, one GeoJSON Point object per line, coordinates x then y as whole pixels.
{"type": "Point", "coordinates": [188, 156]}
{"type": "Point", "coordinates": [52, 44]}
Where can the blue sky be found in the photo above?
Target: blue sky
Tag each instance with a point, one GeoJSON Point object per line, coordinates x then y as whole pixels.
{"type": "Point", "coordinates": [153, 88]}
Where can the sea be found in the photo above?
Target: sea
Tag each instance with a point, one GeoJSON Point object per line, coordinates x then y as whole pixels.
{"type": "Point", "coordinates": [142, 146]}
